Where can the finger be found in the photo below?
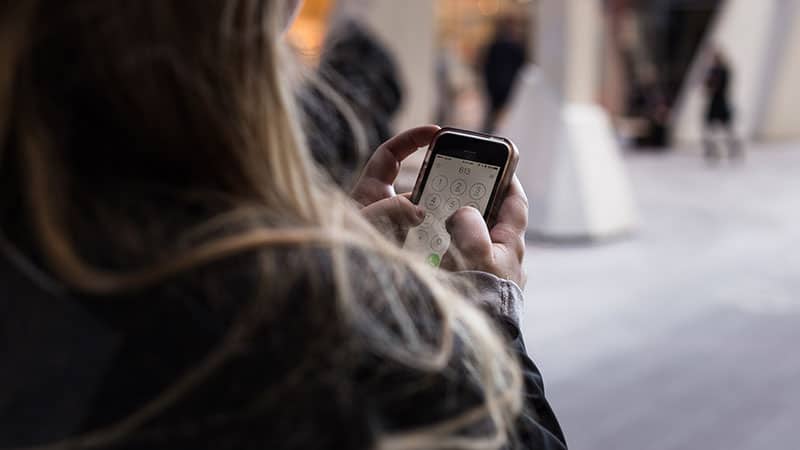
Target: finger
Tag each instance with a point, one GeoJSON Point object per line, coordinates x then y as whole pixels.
{"type": "Point", "coordinates": [370, 190]}
{"type": "Point", "coordinates": [397, 213]}
{"type": "Point", "coordinates": [470, 237]}
{"type": "Point", "coordinates": [512, 219]}
{"type": "Point", "coordinates": [513, 213]}
{"type": "Point", "coordinates": [384, 165]}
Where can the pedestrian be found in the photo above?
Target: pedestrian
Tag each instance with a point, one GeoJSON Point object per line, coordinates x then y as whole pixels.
{"type": "Point", "coordinates": [719, 111]}
{"type": "Point", "coordinates": [502, 60]}
{"type": "Point", "coordinates": [176, 273]}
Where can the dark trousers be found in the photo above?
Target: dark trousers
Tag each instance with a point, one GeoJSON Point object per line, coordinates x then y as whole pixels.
{"type": "Point", "coordinates": [711, 148]}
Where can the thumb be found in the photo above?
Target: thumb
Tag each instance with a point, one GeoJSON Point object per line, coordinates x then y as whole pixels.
{"type": "Point", "coordinates": [469, 237]}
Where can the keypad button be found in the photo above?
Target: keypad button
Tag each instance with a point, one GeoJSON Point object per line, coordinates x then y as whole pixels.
{"type": "Point", "coordinates": [439, 243]}
{"type": "Point", "coordinates": [473, 205]}
{"type": "Point", "coordinates": [434, 260]}
{"type": "Point", "coordinates": [439, 183]}
{"type": "Point", "coordinates": [477, 191]}
{"type": "Point", "coordinates": [458, 187]}
{"type": "Point", "coordinates": [422, 237]}
{"type": "Point", "coordinates": [433, 202]}
{"type": "Point", "coordinates": [438, 226]}
{"type": "Point", "coordinates": [452, 204]}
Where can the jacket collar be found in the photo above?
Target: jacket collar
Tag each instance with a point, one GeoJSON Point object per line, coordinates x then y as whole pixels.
{"type": "Point", "coordinates": [54, 354]}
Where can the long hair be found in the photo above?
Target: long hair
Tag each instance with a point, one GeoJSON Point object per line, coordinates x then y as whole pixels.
{"type": "Point", "coordinates": [104, 103]}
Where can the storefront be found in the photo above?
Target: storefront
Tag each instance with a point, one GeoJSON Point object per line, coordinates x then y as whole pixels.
{"type": "Point", "coordinates": [424, 35]}
{"type": "Point", "coordinates": [466, 25]}
{"type": "Point", "coordinates": [308, 31]}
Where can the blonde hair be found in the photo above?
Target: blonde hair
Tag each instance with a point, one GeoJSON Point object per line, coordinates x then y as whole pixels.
{"type": "Point", "coordinates": [232, 84]}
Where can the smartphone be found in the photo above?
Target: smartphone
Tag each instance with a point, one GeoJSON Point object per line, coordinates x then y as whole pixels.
{"type": "Point", "coordinates": [461, 168]}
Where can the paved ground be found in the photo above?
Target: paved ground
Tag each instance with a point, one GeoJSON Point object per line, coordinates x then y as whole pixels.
{"type": "Point", "coordinates": [685, 336]}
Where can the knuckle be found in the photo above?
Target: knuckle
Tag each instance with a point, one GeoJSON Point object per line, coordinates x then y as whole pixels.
{"type": "Point", "coordinates": [397, 210]}
{"type": "Point", "coordinates": [523, 196]}
{"type": "Point", "coordinates": [512, 240]}
{"type": "Point", "coordinates": [396, 202]}
{"type": "Point", "coordinates": [504, 233]}
{"type": "Point", "coordinates": [478, 250]}
{"type": "Point", "coordinates": [520, 202]}
{"type": "Point", "coordinates": [519, 218]}
{"type": "Point", "coordinates": [519, 248]}
{"type": "Point", "coordinates": [480, 256]}
{"type": "Point", "coordinates": [404, 202]}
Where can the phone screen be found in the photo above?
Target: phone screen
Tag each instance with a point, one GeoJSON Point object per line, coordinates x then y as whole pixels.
{"type": "Point", "coordinates": [451, 183]}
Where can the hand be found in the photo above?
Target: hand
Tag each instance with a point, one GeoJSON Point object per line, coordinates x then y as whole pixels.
{"type": "Point", "coordinates": [499, 251]}
{"type": "Point", "coordinates": [374, 190]}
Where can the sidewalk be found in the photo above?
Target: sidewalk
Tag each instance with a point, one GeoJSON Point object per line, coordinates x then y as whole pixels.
{"type": "Point", "coordinates": [686, 335]}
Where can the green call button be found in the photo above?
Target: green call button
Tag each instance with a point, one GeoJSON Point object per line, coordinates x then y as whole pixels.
{"type": "Point", "coordinates": [434, 260]}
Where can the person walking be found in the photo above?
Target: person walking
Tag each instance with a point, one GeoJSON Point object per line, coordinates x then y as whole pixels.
{"type": "Point", "coordinates": [502, 60]}
{"type": "Point", "coordinates": [719, 111]}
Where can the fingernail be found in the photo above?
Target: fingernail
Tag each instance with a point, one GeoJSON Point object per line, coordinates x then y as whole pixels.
{"type": "Point", "coordinates": [420, 214]}
{"type": "Point", "coordinates": [448, 223]}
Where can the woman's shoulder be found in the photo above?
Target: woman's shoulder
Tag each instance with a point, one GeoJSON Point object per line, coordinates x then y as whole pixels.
{"type": "Point", "coordinates": [60, 350]}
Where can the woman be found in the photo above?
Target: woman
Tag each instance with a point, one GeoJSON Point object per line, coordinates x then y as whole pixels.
{"type": "Point", "coordinates": [503, 60]}
{"type": "Point", "coordinates": [719, 111]}
{"type": "Point", "coordinates": [177, 273]}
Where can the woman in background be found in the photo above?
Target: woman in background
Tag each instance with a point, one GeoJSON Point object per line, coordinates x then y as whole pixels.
{"type": "Point", "coordinates": [719, 110]}
{"type": "Point", "coordinates": [177, 274]}
{"type": "Point", "coordinates": [503, 59]}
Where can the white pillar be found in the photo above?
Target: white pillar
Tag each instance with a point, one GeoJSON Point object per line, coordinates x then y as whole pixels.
{"type": "Point", "coordinates": [762, 44]}
{"type": "Point", "coordinates": [570, 163]}
{"type": "Point", "coordinates": [781, 116]}
{"type": "Point", "coordinates": [408, 29]}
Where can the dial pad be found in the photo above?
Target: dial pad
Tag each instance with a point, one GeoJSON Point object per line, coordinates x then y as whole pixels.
{"type": "Point", "coordinates": [453, 183]}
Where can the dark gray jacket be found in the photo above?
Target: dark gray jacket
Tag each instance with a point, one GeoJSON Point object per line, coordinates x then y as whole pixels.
{"type": "Point", "coordinates": [69, 364]}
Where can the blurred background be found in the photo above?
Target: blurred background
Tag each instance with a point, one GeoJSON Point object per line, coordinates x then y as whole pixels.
{"type": "Point", "coordinates": [659, 146]}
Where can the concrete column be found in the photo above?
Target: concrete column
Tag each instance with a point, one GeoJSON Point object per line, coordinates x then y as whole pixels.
{"type": "Point", "coordinates": [574, 26]}
{"type": "Point", "coordinates": [781, 115]}
{"type": "Point", "coordinates": [408, 29]}
{"type": "Point", "coordinates": [570, 163]}
{"type": "Point", "coordinates": [762, 45]}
